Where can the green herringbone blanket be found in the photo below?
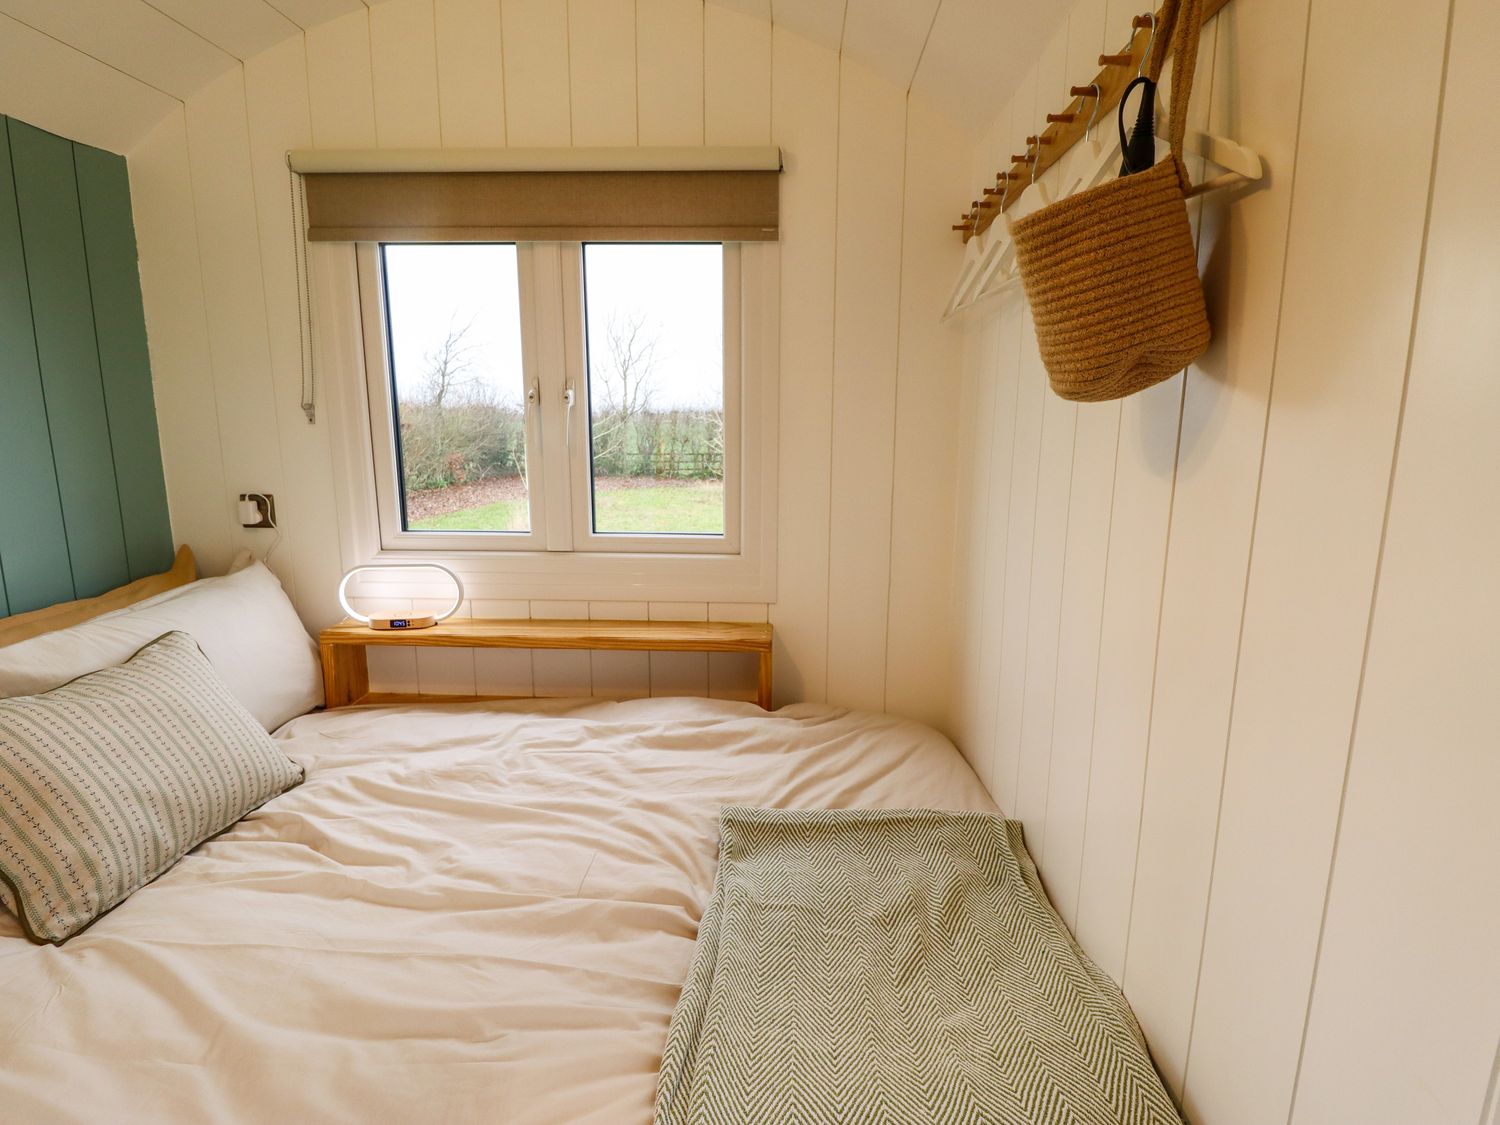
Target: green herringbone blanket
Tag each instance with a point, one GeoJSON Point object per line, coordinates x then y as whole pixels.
{"type": "Point", "coordinates": [895, 967]}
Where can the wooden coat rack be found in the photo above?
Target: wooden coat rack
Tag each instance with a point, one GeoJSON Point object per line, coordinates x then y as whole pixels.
{"type": "Point", "coordinates": [1067, 128]}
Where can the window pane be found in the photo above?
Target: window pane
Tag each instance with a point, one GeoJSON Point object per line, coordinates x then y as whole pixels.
{"type": "Point", "coordinates": [655, 317]}
{"type": "Point", "coordinates": [455, 330]}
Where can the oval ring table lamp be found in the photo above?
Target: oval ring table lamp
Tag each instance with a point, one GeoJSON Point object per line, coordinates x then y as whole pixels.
{"type": "Point", "coordinates": [416, 621]}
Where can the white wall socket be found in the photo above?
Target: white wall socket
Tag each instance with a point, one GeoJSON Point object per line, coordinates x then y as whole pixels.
{"type": "Point", "coordinates": [257, 509]}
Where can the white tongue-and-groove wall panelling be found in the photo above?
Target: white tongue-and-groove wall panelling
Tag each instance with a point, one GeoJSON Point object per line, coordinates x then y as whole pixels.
{"type": "Point", "coordinates": [106, 71]}
{"type": "Point", "coordinates": [869, 382]}
{"type": "Point", "coordinates": [1228, 647]}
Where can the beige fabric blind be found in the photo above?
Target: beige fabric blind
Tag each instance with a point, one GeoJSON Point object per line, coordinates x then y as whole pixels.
{"type": "Point", "coordinates": [673, 205]}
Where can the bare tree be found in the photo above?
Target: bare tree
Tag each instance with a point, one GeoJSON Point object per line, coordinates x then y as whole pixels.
{"type": "Point", "coordinates": [628, 380]}
{"type": "Point", "coordinates": [626, 386]}
{"type": "Point", "coordinates": [459, 429]}
{"type": "Point", "coordinates": [449, 366]}
{"type": "Point", "coordinates": [716, 448]}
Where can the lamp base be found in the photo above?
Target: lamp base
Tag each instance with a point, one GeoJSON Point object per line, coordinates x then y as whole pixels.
{"type": "Point", "coordinates": [424, 621]}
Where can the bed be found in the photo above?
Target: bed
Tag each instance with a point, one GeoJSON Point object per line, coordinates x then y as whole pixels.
{"type": "Point", "coordinates": [465, 913]}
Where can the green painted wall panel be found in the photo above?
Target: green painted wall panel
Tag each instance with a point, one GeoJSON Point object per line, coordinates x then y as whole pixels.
{"type": "Point", "coordinates": [120, 327]}
{"type": "Point", "coordinates": [83, 506]}
{"type": "Point", "coordinates": [67, 349]}
{"type": "Point", "coordinates": [33, 544]}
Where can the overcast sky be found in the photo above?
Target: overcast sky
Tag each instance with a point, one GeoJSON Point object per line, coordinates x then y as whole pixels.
{"type": "Point", "coordinates": [677, 289]}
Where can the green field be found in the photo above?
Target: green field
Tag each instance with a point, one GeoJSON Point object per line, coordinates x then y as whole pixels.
{"type": "Point", "coordinates": [681, 508]}
{"type": "Point", "coordinates": [506, 515]}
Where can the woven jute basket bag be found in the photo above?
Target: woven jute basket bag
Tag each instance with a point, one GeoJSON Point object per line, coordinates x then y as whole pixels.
{"type": "Point", "coordinates": [1111, 273]}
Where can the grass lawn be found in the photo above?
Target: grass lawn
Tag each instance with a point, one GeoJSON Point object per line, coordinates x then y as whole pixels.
{"type": "Point", "coordinates": [505, 515]}
{"type": "Point", "coordinates": [696, 507]}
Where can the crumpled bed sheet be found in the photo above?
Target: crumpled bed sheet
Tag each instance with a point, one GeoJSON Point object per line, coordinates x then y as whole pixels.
{"type": "Point", "coordinates": [478, 912]}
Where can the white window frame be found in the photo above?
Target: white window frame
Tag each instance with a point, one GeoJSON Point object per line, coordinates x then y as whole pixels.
{"type": "Point", "coordinates": [382, 415]}
{"type": "Point", "coordinates": [584, 537]}
{"type": "Point", "coordinates": [572, 561]}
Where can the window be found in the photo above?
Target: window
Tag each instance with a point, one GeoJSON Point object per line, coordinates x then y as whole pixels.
{"type": "Point", "coordinates": [458, 387]}
{"type": "Point", "coordinates": [655, 361]}
{"type": "Point", "coordinates": [534, 400]}
{"type": "Point", "coordinates": [559, 397]}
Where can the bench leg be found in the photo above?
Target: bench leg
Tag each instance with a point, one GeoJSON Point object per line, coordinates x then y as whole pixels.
{"type": "Point", "coordinates": [346, 674]}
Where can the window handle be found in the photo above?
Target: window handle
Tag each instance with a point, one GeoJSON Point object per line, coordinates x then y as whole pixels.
{"type": "Point", "coordinates": [568, 397]}
{"type": "Point", "coordinates": [533, 395]}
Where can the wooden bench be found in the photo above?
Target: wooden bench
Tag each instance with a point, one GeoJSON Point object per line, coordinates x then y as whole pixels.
{"type": "Point", "coordinates": [346, 675]}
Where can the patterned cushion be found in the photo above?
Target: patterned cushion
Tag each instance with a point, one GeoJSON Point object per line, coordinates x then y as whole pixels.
{"type": "Point", "coordinates": [108, 781]}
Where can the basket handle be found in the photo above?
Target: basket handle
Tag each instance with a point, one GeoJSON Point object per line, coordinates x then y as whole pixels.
{"type": "Point", "coordinates": [1183, 24]}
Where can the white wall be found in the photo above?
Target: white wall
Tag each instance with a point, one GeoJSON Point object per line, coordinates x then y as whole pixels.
{"type": "Point", "coordinates": [1229, 647]}
{"type": "Point", "coordinates": [868, 381]}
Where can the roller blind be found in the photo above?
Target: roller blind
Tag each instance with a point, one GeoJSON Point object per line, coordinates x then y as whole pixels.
{"type": "Point", "coordinates": [564, 195]}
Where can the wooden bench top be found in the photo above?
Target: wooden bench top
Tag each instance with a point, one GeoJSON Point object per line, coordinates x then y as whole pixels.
{"type": "Point", "coordinates": [482, 632]}
{"type": "Point", "coordinates": [345, 670]}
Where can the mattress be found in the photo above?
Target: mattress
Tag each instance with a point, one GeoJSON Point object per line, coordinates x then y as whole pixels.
{"type": "Point", "coordinates": [466, 913]}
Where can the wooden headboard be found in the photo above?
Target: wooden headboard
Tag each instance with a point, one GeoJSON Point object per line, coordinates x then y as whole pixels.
{"type": "Point", "coordinates": [83, 507]}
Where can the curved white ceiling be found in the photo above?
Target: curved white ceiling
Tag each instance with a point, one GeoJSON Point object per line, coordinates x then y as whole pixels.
{"type": "Point", "coordinates": [106, 71]}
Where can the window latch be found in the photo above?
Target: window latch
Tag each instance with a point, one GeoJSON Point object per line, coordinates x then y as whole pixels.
{"type": "Point", "coordinates": [568, 397]}
{"type": "Point", "coordinates": [533, 394]}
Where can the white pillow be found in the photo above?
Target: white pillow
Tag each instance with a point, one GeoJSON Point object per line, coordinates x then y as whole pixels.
{"type": "Point", "coordinates": [243, 622]}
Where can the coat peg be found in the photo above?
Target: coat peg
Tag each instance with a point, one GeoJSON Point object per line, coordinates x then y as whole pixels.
{"type": "Point", "coordinates": [1115, 60]}
{"type": "Point", "coordinates": [1140, 22]}
{"type": "Point", "coordinates": [1060, 118]}
{"type": "Point", "coordinates": [1027, 159]}
{"type": "Point", "coordinates": [1084, 92]}
{"type": "Point", "coordinates": [994, 191]}
{"type": "Point", "coordinates": [1041, 140]}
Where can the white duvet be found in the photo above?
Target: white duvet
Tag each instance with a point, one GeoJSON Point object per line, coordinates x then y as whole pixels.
{"type": "Point", "coordinates": [466, 913]}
